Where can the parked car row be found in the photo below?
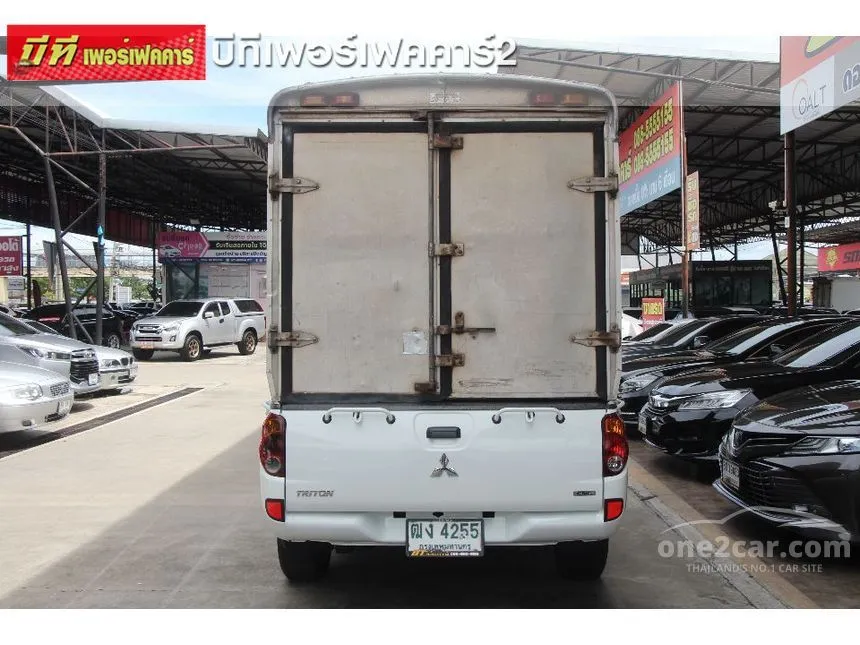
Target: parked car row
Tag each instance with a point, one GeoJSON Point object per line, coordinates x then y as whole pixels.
{"type": "Point", "coordinates": [773, 406]}
{"type": "Point", "coordinates": [42, 372]}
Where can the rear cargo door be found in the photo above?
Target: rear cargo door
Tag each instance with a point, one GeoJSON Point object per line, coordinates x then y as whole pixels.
{"type": "Point", "coordinates": [359, 264]}
{"type": "Point", "coordinates": [532, 274]}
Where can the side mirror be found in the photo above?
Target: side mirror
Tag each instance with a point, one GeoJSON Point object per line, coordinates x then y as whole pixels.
{"type": "Point", "coordinates": [209, 314]}
{"type": "Point", "coordinates": [700, 341]}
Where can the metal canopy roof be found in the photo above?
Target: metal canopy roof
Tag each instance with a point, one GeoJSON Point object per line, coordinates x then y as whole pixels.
{"type": "Point", "coordinates": [155, 173]}
{"type": "Point", "coordinates": [732, 124]}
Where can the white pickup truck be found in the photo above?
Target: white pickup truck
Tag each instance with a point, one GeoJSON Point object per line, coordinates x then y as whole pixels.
{"type": "Point", "coordinates": [192, 327]}
{"type": "Point", "coordinates": [443, 353]}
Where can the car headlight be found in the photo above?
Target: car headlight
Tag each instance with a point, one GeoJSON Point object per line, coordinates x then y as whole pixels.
{"type": "Point", "coordinates": [825, 446]}
{"type": "Point", "coordinates": [714, 400]}
{"type": "Point", "coordinates": [110, 362]}
{"type": "Point", "coordinates": [635, 383]}
{"type": "Point", "coordinates": [27, 392]}
{"type": "Point", "coordinates": [171, 327]}
{"type": "Point", "coordinates": [43, 354]}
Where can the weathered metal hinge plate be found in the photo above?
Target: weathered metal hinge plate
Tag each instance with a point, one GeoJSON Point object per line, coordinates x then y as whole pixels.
{"type": "Point", "coordinates": [449, 360]}
{"type": "Point", "coordinates": [294, 185]}
{"type": "Point", "coordinates": [455, 250]}
{"type": "Point", "coordinates": [447, 141]}
{"type": "Point", "coordinates": [595, 184]}
{"type": "Point", "coordinates": [290, 339]}
{"type": "Point", "coordinates": [611, 339]}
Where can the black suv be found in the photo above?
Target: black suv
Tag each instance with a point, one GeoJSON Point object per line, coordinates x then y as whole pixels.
{"type": "Point", "coordinates": [114, 330]}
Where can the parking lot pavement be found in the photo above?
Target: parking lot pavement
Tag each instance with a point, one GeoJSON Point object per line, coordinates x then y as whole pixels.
{"type": "Point", "coordinates": [830, 582]}
{"type": "Point", "coordinates": [201, 543]}
{"type": "Point", "coordinates": [161, 509]}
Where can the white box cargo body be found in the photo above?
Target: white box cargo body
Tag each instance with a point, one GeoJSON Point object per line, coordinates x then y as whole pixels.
{"type": "Point", "coordinates": [445, 311]}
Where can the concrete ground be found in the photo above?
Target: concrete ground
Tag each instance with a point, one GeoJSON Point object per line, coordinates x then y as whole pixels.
{"type": "Point", "coordinates": [161, 509]}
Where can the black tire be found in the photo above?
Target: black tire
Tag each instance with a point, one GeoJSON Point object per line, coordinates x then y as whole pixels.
{"type": "Point", "coordinates": [304, 561]}
{"type": "Point", "coordinates": [113, 340]}
{"type": "Point", "coordinates": [248, 343]}
{"type": "Point", "coordinates": [581, 560]}
{"type": "Point", "coordinates": [142, 354]}
{"type": "Point", "coordinates": [193, 348]}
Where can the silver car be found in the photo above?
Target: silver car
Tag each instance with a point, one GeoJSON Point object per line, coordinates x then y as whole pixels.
{"type": "Point", "coordinates": [71, 359]}
{"type": "Point", "coordinates": [116, 367]}
{"type": "Point", "coordinates": [31, 397]}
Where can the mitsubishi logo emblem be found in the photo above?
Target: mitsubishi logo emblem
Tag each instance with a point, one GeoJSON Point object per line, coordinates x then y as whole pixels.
{"type": "Point", "coordinates": [444, 468]}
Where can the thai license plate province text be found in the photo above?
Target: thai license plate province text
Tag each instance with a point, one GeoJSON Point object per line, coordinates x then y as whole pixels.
{"type": "Point", "coordinates": [444, 538]}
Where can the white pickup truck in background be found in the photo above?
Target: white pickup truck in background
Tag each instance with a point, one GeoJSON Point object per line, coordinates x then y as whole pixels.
{"type": "Point", "coordinates": [191, 327]}
{"type": "Point", "coordinates": [444, 344]}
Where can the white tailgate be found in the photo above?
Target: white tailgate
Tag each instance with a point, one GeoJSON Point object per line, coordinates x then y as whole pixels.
{"type": "Point", "coordinates": [529, 264]}
{"type": "Point", "coordinates": [360, 261]}
{"type": "Point", "coordinates": [512, 466]}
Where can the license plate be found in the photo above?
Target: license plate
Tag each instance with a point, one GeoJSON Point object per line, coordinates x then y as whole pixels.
{"type": "Point", "coordinates": [64, 407]}
{"type": "Point", "coordinates": [93, 379]}
{"type": "Point", "coordinates": [643, 423]}
{"type": "Point", "coordinates": [444, 538]}
{"type": "Point", "coordinates": [146, 345]}
{"type": "Point", "coordinates": [123, 374]}
{"type": "Point", "coordinates": [731, 474]}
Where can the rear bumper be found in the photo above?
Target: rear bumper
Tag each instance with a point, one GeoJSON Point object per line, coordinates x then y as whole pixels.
{"type": "Point", "coordinates": [523, 528]}
{"type": "Point", "coordinates": [381, 529]}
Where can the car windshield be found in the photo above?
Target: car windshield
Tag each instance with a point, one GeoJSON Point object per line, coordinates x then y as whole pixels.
{"type": "Point", "coordinates": [651, 332]}
{"type": "Point", "coordinates": [183, 308]}
{"type": "Point", "coordinates": [743, 340]}
{"type": "Point", "coordinates": [829, 348]}
{"type": "Point", "coordinates": [11, 327]}
{"type": "Point", "coordinates": [680, 331]}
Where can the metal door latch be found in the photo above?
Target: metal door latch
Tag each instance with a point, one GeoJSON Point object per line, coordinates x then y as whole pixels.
{"type": "Point", "coordinates": [595, 184]}
{"type": "Point", "coordinates": [459, 327]}
{"type": "Point", "coordinates": [449, 360]}
{"type": "Point", "coordinates": [455, 250]}
{"type": "Point", "coordinates": [294, 185]}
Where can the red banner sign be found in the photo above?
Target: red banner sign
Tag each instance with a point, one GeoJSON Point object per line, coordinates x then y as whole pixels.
{"type": "Point", "coordinates": [845, 257]}
{"type": "Point", "coordinates": [11, 256]}
{"type": "Point", "coordinates": [650, 153]}
{"type": "Point", "coordinates": [653, 312]}
{"type": "Point", "coordinates": [106, 52]}
{"type": "Point", "coordinates": [691, 231]}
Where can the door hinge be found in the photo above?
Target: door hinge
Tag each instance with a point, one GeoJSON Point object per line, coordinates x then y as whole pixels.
{"type": "Point", "coordinates": [595, 184]}
{"type": "Point", "coordinates": [448, 141]}
{"type": "Point", "coordinates": [294, 185]}
{"type": "Point", "coordinates": [456, 250]}
{"type": "Point", "coordinates": [611, 339]}
{"type": "Point", "coordinates": [290, 339]}
{"type": "Point", "coordinates": [449, 360]}
{"type": "Point", "coordinates": [459, 327]}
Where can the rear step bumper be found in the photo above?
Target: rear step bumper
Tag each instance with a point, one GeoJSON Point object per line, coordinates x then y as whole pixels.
{"type": "Point", "coordinates": [383, 529]}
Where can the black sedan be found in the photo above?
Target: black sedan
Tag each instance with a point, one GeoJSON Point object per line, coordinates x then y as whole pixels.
{"type": "Point", "coordinates": [794, 460]}
{"type": "Point", "coordinates": [688, 414]}
{"type": "Point", "coordinates": [688, 334]}
{"type": "Point", "coordinates": [761, 341]}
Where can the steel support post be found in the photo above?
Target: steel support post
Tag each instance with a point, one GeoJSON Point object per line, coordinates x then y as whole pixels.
{"type": "Point", "coordinates": [61, 252]}
{"type": "Point", "coordinates": [791, 212]}
{"type": "Point", "coordinates": [100, 256]}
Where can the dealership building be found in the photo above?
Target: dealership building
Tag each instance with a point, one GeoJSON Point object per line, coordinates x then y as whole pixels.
{"type": "Point", "coordinates": [211, 264]}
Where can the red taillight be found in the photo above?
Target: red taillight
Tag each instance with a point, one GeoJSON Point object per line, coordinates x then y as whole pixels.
{"type": "Point", "coordinates": [345, 100]}
{"type": "Point", "coordinates": [543, 98]}
{"type": "Point", "coordinates": [612, 509]}
{"type": "Point", "coordinates": [615, 447]}
{"type": "Point", "coordinates": [272, 445]}
{"type": "Point", "coordinates": [314, 100]}
{"type": "Point", "coordinates": [50, 319]}
{"type": "Point", "coordinates": [574, 99]}
{"type": "Point", "coordinates": [275, 509]}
